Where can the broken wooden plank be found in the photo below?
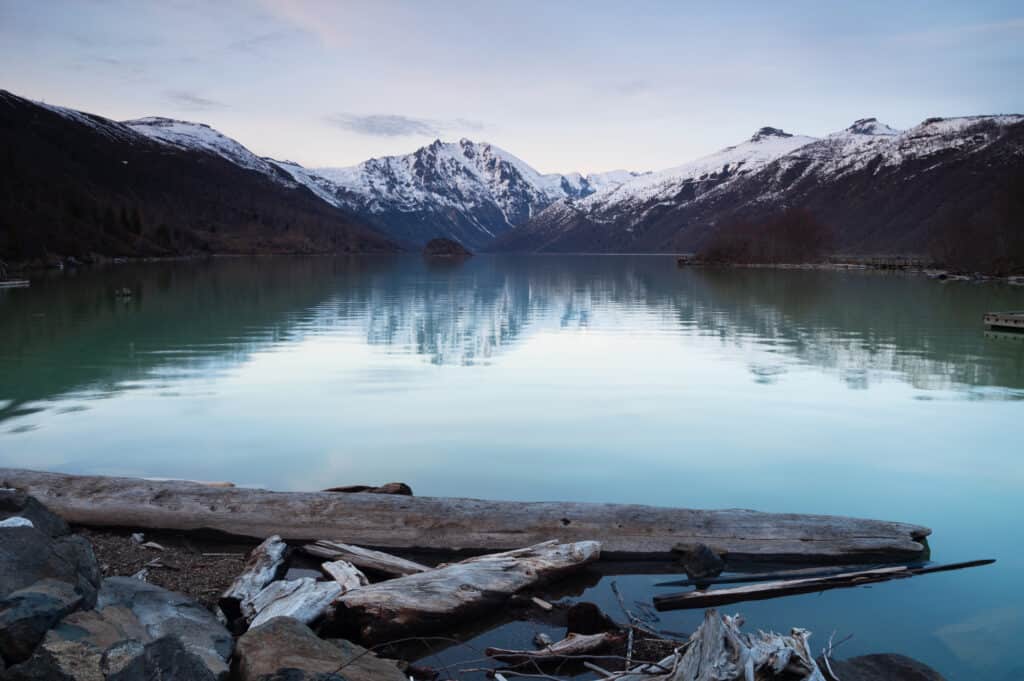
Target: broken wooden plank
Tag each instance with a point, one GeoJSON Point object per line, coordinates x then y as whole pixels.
{"type": "Point", "coordinates": [573, 646]}
{"type": "Point", "coordinates": [261, 568]}
{"type": "Point", "coordinates": [305, 600]}
{"type": "Point", "coordinates": [429, 601]}
{"type": "Point", "coordinates": [388, 521]}
{"type": "Point", "coordinates": [776, 575]}
{"type": "Point", "coordinates": [366, 559]}
{"type": "Point", "coordinates": [763, 591]}
{"type": "Point", "coordinates": [347, 575]}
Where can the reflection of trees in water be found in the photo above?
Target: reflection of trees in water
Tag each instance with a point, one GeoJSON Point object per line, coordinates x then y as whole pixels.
{"type": "Point", "coordinates": [72, 334]}
{"type": "Point", "coordinates": [859, 324]}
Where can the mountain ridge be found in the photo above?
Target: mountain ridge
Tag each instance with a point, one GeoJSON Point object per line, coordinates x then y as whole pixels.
{"type": "Point", "coordinates": [879, 187]}
{"type": "Point", "coordinates": [80, 185]}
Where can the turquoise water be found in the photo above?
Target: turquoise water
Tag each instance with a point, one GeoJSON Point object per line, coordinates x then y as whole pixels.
{"type": "Point", "coordinates": [601, 378]}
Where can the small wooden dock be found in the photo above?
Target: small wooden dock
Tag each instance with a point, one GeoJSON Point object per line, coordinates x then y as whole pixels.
{"type": "Point", "coordinates": [1005, 320]}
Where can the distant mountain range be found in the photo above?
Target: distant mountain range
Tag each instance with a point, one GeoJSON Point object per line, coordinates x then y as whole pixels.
{"type": "Point", "coordinates": [75, 183]}
{"type": "Point", "coordinates": [880, 190]}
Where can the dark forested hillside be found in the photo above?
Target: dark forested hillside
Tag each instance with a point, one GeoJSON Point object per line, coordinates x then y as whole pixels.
{"type": "Point", "coordinates": [73, 184]}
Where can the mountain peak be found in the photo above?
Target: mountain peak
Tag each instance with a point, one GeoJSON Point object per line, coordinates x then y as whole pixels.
{"type": "Point", "coordinates": [871, 126]}
{"type": "Point", "coordinates": [768, 132]}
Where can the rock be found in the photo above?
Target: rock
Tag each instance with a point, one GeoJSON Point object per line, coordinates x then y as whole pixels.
{"type": "Point", "coordinates": [165, 659]}
{"type": "Point", "coordinates": [285, 649]}
{"type": "Point", "coordinates": [882, 667]}
{"type": "Point", "coordinates": [116, 638]}
{"type": "Point", "coordinates": [18, 504]}
{"type": "Point", "coordinates": [445, 248]}
{"type": "Point", "coordinates": [699, 561]}
{"type": "Point", "coordinates": [28, 555]}
{"type": "Point", "coordinates": [586, 618]}
{"type": "Point", "coordinates": [26, 615]}
{"type": "Point", "coordinates": [164, 613]}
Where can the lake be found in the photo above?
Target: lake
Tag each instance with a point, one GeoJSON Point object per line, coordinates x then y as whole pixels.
{"type": "Point", "coordinates": [604, 378]}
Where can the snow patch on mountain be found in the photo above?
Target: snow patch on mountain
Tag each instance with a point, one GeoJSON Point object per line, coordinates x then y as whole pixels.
{"type": "Point", "coordinates": [766, 145]}
{"type": "Point", "coordinates": [199, 136]}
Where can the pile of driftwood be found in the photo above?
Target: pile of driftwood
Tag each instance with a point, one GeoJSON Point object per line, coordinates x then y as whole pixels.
{"type": "Point", "coordinates": [407, 599]}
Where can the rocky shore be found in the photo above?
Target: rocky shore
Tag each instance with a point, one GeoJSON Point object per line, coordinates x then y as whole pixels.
{"type": "Point", "coordinates": [84, 604]}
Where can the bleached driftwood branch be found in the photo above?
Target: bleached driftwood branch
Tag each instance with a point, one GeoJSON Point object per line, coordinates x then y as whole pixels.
{"type": "Point", "coordinates": [432, 600]}
{"type": "Point", "coordinates": [719, 651]}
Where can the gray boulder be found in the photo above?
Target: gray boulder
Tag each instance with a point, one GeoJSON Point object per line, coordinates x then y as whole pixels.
{"type": "Point", "coordinates": [28, 555]}
{"type": "Point", "coordinates": [26, 615]}
{"type": "Point", "coordinates": [19, 504]}
{"type": "Point", "coordinates": [699, 561]}
{"type": "Point", "coordinates": [119, 639]}
{"type": "Point", "coordinates": [284, 649]}
{"type": "Point", "coordinates": [165, 659]}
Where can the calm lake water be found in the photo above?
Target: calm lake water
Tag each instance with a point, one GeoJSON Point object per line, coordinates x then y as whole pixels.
{"type": "Point", "coordinates": [618, 379]}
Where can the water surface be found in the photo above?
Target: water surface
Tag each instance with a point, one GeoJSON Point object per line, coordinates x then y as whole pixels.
{"type": "Point", "coordinates": [599, 378]}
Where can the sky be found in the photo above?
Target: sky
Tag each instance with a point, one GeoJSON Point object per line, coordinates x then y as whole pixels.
{"type": "Point", "coordinates": [565, 85]}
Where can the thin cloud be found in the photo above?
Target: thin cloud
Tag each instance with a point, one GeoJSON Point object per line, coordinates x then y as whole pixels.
{"type": "Point", "coordinates": [631, 87]}
{"type": "Point", "coordinates": [396, 125]}
{"type": "Point", "coordinates": [190, 100]}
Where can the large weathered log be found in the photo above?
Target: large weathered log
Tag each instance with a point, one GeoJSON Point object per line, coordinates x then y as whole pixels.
{"type": "Point", "coordinates": [428, 601]}
{"type": "Point", "coordinates": [263, 566]}
{"type": "Point", "coordinates": [789, 587]}
{"type": "Point", "coordinates": [366, 559]}
{"type": "Point", "coordinates": [387, 521]}
{"type": "Point", "coordinates": [719, 651]}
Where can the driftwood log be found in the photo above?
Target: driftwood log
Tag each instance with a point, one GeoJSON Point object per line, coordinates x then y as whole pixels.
{"type": "Point", "coordinates": [388, 488]}
{"type": "Point", "coordinates": [389, 521]}
{"type": "Point", "coordinates": [347, 575]}
{"type": "Point", "coordinates": [305, 600]}
{"type": "Point", "coordinates": [429, 601]}
{"type": "Point", "coordinates": [789, 587]}
{"type": "Point", "coordinates": [366, 559]}
{"type": "Point", "coordinates": [573, 646]}
{"type": "Point", "coordinates": [719, 651]}
{"type": "Point", "coordinates": [263, 566]}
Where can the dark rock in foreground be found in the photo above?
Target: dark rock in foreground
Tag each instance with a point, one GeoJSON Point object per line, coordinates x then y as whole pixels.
{"type": "Point", "coordinates": [445, 248]}
{"type": "Point", "coordinates": [884, 666]}
{"type": "Point", "coordinates": [121, 639]}
{"type": "Point", "coordinates": [284, 649]}
{"type": "Point", "coordinates": [26, 616]}
{"type": "Point", "coordinates": [28, 555]}
{"type": "Point", "coordinates": [18, 504]}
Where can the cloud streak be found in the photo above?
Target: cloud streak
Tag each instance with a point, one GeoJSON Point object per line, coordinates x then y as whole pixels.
{"type": "Point", "coordinates": [193, 101]}
{"type": "Point", "coordinates": [397, 125]}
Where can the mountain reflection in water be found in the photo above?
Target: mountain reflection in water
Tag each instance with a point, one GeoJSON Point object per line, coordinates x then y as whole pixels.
{"type": "Point", "coordinates": [605, 378]}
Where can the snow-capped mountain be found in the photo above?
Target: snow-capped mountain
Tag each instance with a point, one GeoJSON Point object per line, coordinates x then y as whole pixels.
{"type": "Point", "coordinates": [469, 191]}
{"type": "Point", "coordinates": [878, 187]}
{"type": "Point", "coordinates": [465, 190]}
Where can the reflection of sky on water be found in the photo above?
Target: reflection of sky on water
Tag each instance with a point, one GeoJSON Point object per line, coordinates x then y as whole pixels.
{"type": "Point", "coordinates": [602, 379]}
